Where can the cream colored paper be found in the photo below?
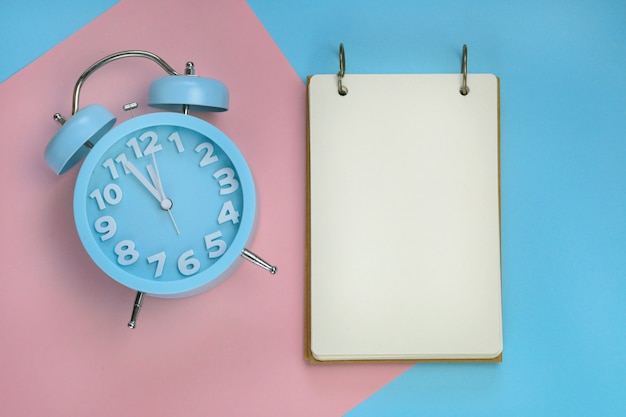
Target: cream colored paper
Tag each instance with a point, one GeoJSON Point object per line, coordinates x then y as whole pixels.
{"type": "Point", "coordinates": [404, 232]}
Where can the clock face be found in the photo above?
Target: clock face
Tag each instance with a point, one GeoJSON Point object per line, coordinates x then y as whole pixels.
{"type": "Point", "coordinates": [165, 204]}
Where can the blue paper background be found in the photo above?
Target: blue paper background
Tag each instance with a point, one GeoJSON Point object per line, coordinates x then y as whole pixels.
{"type": "Point", "coordinates": [562, 66]}
{"type": "Point", "coordinates": [32, 27]}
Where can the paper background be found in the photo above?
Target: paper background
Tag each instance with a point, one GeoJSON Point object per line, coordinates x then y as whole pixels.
{"type": "Point", "coordinates": [237, 350]}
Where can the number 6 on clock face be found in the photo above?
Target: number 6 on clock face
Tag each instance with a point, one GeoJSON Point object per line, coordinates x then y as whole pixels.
{"type": "Point", "coordinates": [165, 204]}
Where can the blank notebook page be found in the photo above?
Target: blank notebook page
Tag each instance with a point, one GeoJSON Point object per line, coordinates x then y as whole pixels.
{"type": "Point", "coordinates": [404, 248]}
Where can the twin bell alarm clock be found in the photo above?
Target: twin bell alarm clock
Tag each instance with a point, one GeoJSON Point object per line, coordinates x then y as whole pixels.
{"type": "Point", "coordinates": [164, 203]}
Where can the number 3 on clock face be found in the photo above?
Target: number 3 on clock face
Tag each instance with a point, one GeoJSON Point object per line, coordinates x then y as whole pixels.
{"type": "Point", "coordinates": [165, 204]}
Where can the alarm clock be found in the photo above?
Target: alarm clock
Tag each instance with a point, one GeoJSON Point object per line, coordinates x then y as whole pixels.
{"type": "Point", "coordinates": [164, 203]}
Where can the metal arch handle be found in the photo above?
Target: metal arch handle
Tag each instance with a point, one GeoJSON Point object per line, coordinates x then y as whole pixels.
{"type": "Point", "coordinates": [114, 57]}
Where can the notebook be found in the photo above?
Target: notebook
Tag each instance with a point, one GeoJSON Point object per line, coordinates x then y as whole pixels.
{"type": "Point", "coordinates": [403, 219]}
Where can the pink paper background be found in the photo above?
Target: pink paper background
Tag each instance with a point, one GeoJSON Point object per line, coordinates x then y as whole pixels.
{"type": "Point", "coordinates": [236, 350]}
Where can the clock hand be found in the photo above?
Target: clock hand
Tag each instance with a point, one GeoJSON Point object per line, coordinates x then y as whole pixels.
{"type": "Point", "coordinates": [166, 203]}
{"type": "Point", "coordinates": [133, 170]}
{"type": "Point", "coordinates": [153, 171]}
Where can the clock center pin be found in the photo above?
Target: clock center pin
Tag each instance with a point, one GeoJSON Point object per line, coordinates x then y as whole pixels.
{"type": "Point", "coordinates": [166, 204]}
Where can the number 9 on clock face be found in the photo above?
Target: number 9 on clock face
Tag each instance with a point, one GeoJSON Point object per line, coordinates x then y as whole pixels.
{"type": "Point", "coordinates": [165, 204]}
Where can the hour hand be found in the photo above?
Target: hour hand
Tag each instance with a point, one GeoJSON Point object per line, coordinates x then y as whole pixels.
{"type": "Point", "coordinates": [153, 171]}
{"type": "Point", "coordinates": [143, 180]}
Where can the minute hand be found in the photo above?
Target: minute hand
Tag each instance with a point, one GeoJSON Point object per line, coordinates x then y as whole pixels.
{"type": "Point", "coordinates": [143, 180]}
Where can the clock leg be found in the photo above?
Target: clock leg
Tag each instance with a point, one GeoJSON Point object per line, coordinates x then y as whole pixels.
{"type": "Point", "coordinates": [258, 261]}
{"type": "Point", "coordinates": [136, 308]}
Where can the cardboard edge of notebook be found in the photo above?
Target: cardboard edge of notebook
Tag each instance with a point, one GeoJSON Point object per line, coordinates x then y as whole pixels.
{"type": "Point", "coordinates": [308, 353]}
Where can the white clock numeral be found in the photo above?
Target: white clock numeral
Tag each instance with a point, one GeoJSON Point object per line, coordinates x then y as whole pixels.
{"type": "Point", "coordinates": [208, 157]}
{"type": "Point", "coordinates": [211, 241]}
{"type": "Point", "coordinates": [112, 194]}
{"type": "Point", "coordinates": [126, 253]}
{"type": "Point", "coordinates": [175, 137]}
{"type": "Point", "coordinates": [228, 213]}
{"type": "Point", "coordinates": [134, 145]}
{"type": "Point", "coordinates": [159, 258]}
{"type": "Point", "coordinates": [107, 226]}
{"type": "Point", "coordinates": [121, 158]}
{"type": "Point", "coordinates": [229, 184]}
{"type": "Point", "coordinates": [187, 264]}
{"type": "Point", "coordinates": [110, 165]}
{"type": "Point", "coordinates": [150, 148]}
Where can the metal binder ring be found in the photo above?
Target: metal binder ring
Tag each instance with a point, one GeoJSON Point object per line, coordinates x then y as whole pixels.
{"type": "Point", "coordinates": [341, 89]}
{"type": "Point", "coordinates": [464, 88]}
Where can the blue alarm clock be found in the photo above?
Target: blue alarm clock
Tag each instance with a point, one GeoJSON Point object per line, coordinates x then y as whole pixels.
{"type": "Point", "coordinates": [164, 203]}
